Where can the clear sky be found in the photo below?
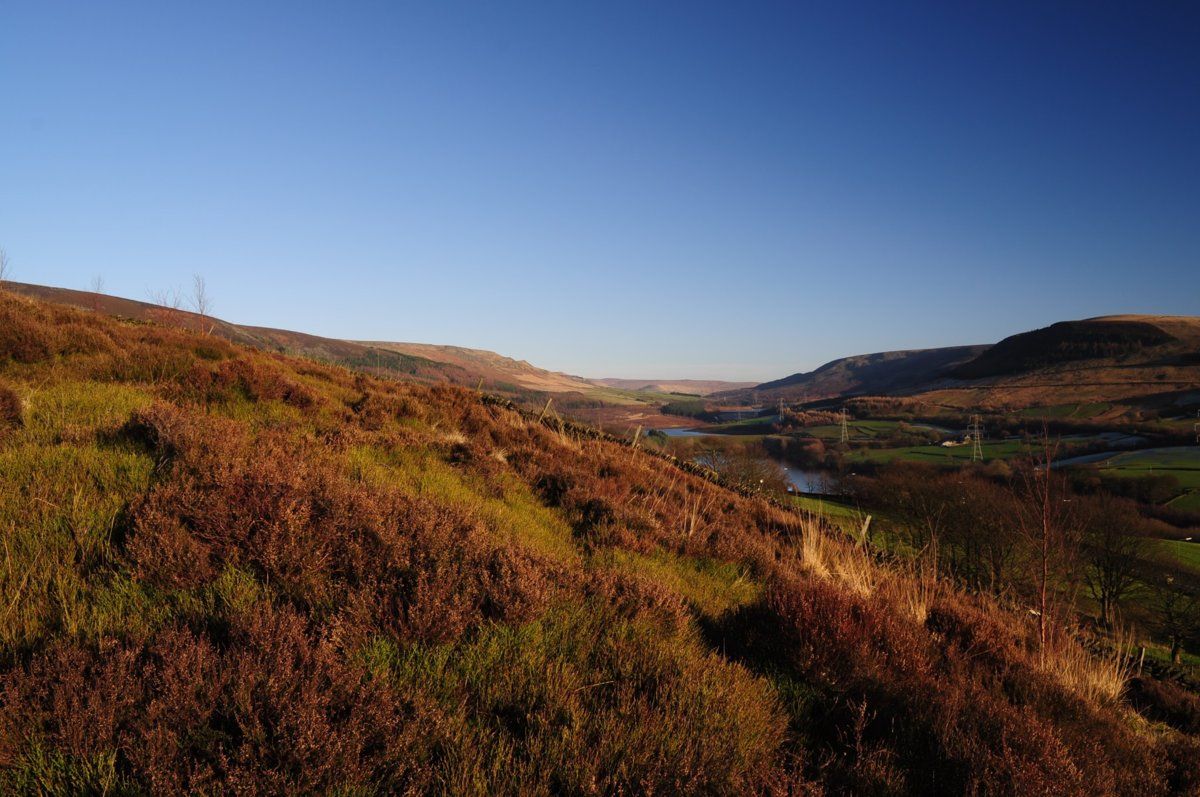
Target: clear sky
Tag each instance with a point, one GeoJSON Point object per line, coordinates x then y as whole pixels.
{"type": "Point", "coordinates": [643, 189]}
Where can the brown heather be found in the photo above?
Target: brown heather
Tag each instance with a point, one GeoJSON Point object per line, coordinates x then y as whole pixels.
{"type": "Point", "coordinates": [225, 571]}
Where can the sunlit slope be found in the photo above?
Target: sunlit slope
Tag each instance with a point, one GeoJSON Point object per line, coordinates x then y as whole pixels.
{"type": "Point", "coordinates": [226, 569]}
{"type": "Point", "coordinates": [1130, 361]}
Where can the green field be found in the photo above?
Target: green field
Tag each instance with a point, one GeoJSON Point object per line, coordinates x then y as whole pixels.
{"type": "Point", "coordinates": [744, 425]}
{"type": "Point", "coordinates": [1182, 462]}
{"type": "Point", "coordinates": [1185, 554]}
{"type": "Point", "coordinates": [859, 430]}
{"type": "Point", "coordinates": [1188, 502]}
{"type": "Point", "coordinates": [992, 449]}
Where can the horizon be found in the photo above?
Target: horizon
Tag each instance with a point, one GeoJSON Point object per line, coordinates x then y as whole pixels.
{"type": "Point", "coordinates": [685, 192]}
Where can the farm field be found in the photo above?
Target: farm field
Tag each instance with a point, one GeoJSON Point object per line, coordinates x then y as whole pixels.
{"type": "Point", "coordinates": [992, 449]}
{"type": "Point", "coordinates": [859, 430]}
{"type": "Point", "coordinates": [1185, 554]}
{"type": "Point", "coordinates": [1183, 463]}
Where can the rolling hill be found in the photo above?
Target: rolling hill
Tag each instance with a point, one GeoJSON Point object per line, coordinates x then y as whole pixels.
{"type": "Point", "coordinates": [230, 570]}
{"type": "Point", "coordinates": [883, 372]}
{"type": "Point", "coordinates": [1127, 363]}
{"type": "Point", "coordinates": [690, 387]}
{"type": "Point", "coordinates": [417, 361]}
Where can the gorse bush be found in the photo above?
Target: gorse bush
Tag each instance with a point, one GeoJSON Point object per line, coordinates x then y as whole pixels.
{"type": "Point", "coordinates": [227, 571]}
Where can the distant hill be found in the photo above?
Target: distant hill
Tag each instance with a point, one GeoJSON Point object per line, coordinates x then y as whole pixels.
{"type": "Point", "coordinates": [695, 387]}
{"type": "Point", "coordinates": [1064, 342]}
{"type": "Point", "coordinates": [1120, 364]}
{"type": "Point", "coordinates": [883, 372]}
{"type": "Point", "coordinates": [492, 367]}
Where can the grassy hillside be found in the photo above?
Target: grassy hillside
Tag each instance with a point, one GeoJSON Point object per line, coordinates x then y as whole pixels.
{"type": "Point", "coordinates": [230, 570]}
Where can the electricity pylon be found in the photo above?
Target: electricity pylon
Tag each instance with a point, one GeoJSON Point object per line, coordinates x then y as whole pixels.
{"type": "Point", "coordinates": [845, 427]}
{"type": "Point", "coordinates": [976, 432]}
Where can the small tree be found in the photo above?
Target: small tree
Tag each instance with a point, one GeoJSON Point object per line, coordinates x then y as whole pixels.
{"type": "Point", "coordinates": [1112, 551]}
{"type": "Point", "coordinates": [169, 302]}
{"type": "Point", "coordinates": [5, 267]}
{"type": "Point", "coordinates": [1045, 520]}
{"type": "Point", "coordinates": [1175, 614]}
{"type": "Point", "coordinates": [737, 465]}
{"type": "Point", "coordinates": [201, 302]}
{"type": "Point", "coordinates": [97, 289]}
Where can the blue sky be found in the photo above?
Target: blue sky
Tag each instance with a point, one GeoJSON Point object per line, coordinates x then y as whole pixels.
{"type": "Point", "coordinates": [737, 190]}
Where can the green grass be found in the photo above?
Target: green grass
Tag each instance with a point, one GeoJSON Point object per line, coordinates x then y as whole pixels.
{"type": "Point", "coordinates": [73, 410]}
{"type": "Point", "coordinates": [1185, 554]}
{"type": "Point", "coordinates": [1183, 463]}
{"type": "Point", "coordinates": [711, 587]}
{"type": "Point", "coordinates": [935, 455]}
{"type": "Point", "coordinates": [846, 518]}
{"type": "Point", "coordinates": [516, 516]}
{"type": "Point", "coordinates": [734, 427]}
{"type": "Point", "coordinates": [578, 691]}
{"type": "Point", "coordinates": [1188, 502]}
{"type": "Point", "coordinates": [68, 499]}
{"type": "Point", "coordinates": [859, 430]}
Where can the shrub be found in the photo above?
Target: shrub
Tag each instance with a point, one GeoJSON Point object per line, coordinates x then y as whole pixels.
{"type": "Point", "coordinates": [11, 413]}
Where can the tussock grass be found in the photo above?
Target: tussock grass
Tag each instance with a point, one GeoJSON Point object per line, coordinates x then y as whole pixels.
{"type": "Point", "coordinates": [849, 564]}
{"type": "Point", "coordinates": [1099, 677]}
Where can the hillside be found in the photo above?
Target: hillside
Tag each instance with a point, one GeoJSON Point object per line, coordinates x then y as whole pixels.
{"type": "Point", "coordinates": [691, 387]}
{"type": "Point", "coordinates": [1070, 342]}
{"type": "Point", "coordinates": [230, 570]}
{"type": "Point", "coordinates": [494, 369]}
{"type": "Point", "coordinates": [1120, 365]}
{"type": "Point", "coordinates": [416, 361]}
{"type": "Point", "coordinates": [883, 372]}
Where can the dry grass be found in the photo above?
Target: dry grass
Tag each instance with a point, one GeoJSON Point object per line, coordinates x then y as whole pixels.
{"type": "Point", "coordinates": [849, 564]}
{"type": "Point", "coordinates": [1098, 677]}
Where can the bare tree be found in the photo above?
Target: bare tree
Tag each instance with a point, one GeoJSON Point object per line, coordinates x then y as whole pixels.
{"type": "Point", "coordinates": [97, 289]}
{"type": "Point", "coordinates": [742, 467]}
{"type": "Point", "coordinates": [169, 303]}
{"type": "Point", "coordinates": [5, 267]}
{"type": "Point", "coordinates": [1175, 609]}
{"type": "Point", "coordinates": [1044, 515]}
{"type": "Point", "coordinates": [1112, 551]}
{"type": "Point", "coordinates": [201, 302]}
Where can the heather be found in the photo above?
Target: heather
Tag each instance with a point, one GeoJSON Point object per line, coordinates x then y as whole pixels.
{"type": "Point", "coordinates": [231, 571]}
